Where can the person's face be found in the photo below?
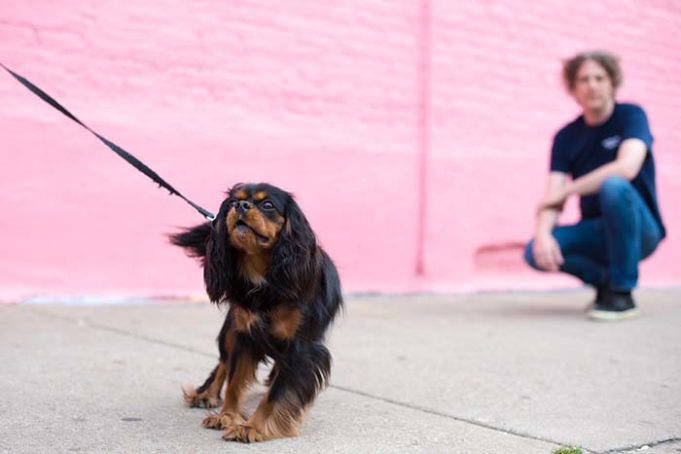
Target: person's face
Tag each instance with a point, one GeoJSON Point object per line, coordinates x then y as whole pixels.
{"type": "Point", "coordinates": [593, 88]}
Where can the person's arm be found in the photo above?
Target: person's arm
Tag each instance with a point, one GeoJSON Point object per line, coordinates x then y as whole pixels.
{"type": "Point", "coordinates": [545, 250]}
{"type": "Point", "coordinates": [630, 157]}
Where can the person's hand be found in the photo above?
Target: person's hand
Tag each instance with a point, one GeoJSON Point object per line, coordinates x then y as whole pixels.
{"type": "Point", "coordinates": [555, 200]}
{"type": "Point", "coordinates": [546, 252]}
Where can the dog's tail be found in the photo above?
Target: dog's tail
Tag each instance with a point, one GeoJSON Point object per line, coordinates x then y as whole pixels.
{"type": "Point", "coordinates": [193, 239]}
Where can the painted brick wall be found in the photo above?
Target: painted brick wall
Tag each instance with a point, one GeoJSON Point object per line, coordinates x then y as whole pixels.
{"type": "Point", "coordinates": [337, 102]}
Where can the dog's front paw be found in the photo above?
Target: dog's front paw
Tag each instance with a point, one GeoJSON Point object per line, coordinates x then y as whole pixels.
{"type": "Point", "coordinates": [194, 400]}
{"type": "Point", "coordinates": [244, 434]}
{"type": "Point", "coordinates": [221, 421]}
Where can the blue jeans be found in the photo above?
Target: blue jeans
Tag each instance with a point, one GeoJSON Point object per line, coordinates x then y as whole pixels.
{"type": "Point", "coordinates": [608, 249]}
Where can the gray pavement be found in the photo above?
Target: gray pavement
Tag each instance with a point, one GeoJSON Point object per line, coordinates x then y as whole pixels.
{"type": "Point", "coordinates": [484, 373]}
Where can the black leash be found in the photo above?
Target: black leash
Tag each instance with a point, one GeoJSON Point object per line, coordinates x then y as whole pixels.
{"type": "Point", "coordinates": [139, 165]}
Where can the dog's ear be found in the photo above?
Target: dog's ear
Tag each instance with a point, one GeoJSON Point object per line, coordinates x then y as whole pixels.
{"type": "Point", "coordinates": [218, 268]}
{"type": "Point", "coordinates": [295, 262]}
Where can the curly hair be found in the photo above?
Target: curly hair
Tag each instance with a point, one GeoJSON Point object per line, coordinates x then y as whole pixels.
{"type": "Point", "coordinates": [609, 62]}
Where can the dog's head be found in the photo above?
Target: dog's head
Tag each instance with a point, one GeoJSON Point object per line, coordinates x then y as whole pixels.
{"type": "Point", "coordinates": [253, 216]}
{"type": "Point", "coordinates": [259, 237]}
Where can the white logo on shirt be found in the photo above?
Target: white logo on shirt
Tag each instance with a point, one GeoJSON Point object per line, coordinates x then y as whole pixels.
{"type": "Point", "coordinates": [611, 143]}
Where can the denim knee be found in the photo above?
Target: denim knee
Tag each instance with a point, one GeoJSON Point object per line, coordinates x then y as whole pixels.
{"type": "Point", "coordinates": [528, 256]}
{"type": "Point", "coordinates": [613, 189]}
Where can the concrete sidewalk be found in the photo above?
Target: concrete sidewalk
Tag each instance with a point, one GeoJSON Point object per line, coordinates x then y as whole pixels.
{"type": "Point", "coordinates": [487, 373]}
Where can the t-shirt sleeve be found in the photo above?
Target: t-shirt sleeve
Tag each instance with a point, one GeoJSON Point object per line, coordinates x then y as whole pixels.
{"type": "Point", "coordinates": [635, 126]}
{"type": "Point", "coordinates": [559, 154]}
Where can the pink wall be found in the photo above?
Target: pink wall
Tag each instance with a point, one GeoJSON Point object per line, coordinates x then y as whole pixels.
{"type": "Point", "coordinates": [348, 104]}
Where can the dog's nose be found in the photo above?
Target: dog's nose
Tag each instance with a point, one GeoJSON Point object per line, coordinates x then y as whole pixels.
{"type": "Point", "coordinates": [243, 206]}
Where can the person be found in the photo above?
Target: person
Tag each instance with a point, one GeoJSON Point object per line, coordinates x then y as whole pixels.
{"type": "Point", "coordinates": [607, 152]}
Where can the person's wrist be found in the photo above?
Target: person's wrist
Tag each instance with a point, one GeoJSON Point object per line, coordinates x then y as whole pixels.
{"type": "Point", "coordinates": [542, 233]}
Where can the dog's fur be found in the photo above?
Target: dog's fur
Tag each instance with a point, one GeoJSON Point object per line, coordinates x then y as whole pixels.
{"type": "Point", "coordinates": [261, 257]}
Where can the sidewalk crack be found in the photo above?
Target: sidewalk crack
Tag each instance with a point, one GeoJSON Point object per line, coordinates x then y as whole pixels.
{"type": "Point", "coordinates": [640, 446]}
{"type": "Point", "coordinates": [122, 332]}
{"type": "Point", "coordinates": [449, 416]}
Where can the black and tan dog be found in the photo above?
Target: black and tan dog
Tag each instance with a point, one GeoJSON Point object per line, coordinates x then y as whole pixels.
{"type": "Point", "coordinates": [261, 257]}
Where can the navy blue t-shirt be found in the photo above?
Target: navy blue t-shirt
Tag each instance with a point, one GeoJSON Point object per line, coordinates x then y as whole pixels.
{"type": "Point", "coordinates": [579, 148]}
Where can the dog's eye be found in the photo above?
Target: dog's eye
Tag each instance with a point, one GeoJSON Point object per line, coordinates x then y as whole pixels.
{"type": "Point", "coordinates": [267, 205]}
{"type": "Point", "coordinates": [232, 203]}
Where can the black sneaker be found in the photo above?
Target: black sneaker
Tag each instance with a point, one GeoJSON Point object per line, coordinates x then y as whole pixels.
{"type": "Point", "coordinates": [603, 292]}
{"type": "Point", "coordinates": [615, 306]}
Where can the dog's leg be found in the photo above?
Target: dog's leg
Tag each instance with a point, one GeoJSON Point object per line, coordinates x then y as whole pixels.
{"type": "Point", "coordinates": [298, 379]}
{"type": "Point", "coordinates": [208, 394]}
{"type": "Point", "coordinates": [242, 368]}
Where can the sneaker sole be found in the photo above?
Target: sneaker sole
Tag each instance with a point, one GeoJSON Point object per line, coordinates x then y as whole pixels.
{"type": "Point", "coordinates": [611, 316]}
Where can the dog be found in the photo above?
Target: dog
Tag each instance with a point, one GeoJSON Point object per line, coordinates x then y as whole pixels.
{"type": "Point", "coordinates": [262, 259]}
